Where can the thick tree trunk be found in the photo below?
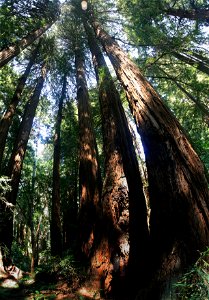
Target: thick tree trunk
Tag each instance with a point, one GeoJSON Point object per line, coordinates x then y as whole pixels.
{"type": "Point", "coordinates": [17, 157]}
{"type": "Point", "coordinates": [179, 220]}
{"type": "Point", "coordinates": [192, 61]}
{"type": "Point", "coordinates": [8, 116]}
{"type": "Point", "coordinates": [193, 14]}
{"type": "Point", "coordinates": [131, 213]}
{"type": "Point", "coordinates": [10, 52]}
{"type": "Point", "coordinates": [89, 172]}
{"type": "Point", "coordinates": [56, 227]}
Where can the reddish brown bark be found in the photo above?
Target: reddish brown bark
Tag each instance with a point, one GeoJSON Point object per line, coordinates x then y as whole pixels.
{"type": "Point", "coordinates": [129, 210]}
{"type": "Point", "coordinates": [10, 52]}
{"type": "Point", "coordinates": [178, 190]}
{"type": "Point", "coordinates": [8, 116]}
{"type": "Point", "coordinates": [89, 173]}
{"type": "Point", "coordinates": [56, 227]}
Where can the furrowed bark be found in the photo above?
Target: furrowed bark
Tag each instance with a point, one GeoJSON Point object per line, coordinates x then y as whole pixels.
{"type": "Point", "coordinates": [10, 52]}
{"type": "Point", "coordinates": [89, 172]}
{"type": "Point", "coordinates": [137, 230]}
{"type": "Point", "coordinates": [178, 190]}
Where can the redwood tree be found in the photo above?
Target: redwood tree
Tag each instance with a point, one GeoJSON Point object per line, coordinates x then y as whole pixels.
{"type": "Point", "coordinates": [128, 212]}
{"type": "Point", "coordinates": [89, 172]}
{"type": "Point", "coordinates": [56, 227]}
{"type": "Point", "coordinates": [177, 185]}
{"type": "Point", "coordinates": [12, 51]}
{"type": "Point", "coordinates": [8, 116]}
{"type": "Point", "coordinates": [16, 161]}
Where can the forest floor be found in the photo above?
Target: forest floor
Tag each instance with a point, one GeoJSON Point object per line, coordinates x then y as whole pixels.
{"type": "Point", "coordinates": [17, 285]}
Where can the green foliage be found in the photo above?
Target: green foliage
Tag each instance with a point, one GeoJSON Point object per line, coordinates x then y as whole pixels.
{"type": "Point", "coordinates": [154, 35]}
{"type": "Point", "coordinates": [4, 189]}
{"type": "Point", "coordinates": [66, 268]}
{"type": "Point", "coordinates": [19, 258]}
{"type": "Point", "coordinates": [192, 120]}
{"type": "Point", "coordinates": [194, 285]}
{"type": "Point", "coordinates": [8, 81]}
{"type": "Point", "coordinates": [18, 18]}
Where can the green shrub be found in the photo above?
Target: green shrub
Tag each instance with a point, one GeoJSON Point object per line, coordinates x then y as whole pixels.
{"type": "Point", "coordinates": [194, 285]}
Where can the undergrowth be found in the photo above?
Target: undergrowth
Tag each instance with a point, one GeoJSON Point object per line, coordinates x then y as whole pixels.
{"type": "Point", "coordinates": [56, 269]}
{"type": "Point", "coordinates": [194, 285]}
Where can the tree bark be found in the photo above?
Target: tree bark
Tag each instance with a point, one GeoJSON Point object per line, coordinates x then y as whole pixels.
{"type": "Point", "coordinates": [8, 116]}
{"type": "Point", "coordinates": [56, 227]}
{"type": "Point", "coordinates": [178, 190]}
{"type": "Point", "coordinates": [17, 157]}
{"type": "Point", "coordinates": [89, 172]}
{"type": "Point", "coordinates": [10, 52]}
{"type": "Point", "coordinates": [130, 208]}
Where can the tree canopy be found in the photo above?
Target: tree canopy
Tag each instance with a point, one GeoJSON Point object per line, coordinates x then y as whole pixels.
{"type": "Point", "coordinates": [104, 136]}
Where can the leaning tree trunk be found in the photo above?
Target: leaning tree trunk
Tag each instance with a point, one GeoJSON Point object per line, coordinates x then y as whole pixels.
{"type": "Point", "coordinates": [12, 51]}
{"type": "Point", "coordinates": [192, 61]}
{"type": "Point", "coordinates": [197, 14]}
{"type": "Point", "coordinates": [179, 220]}
{"type": "Point", "coordinates": [56, 227]}
{"type": "Point", "coordinates": [16, 160]}
{"type": "Point", "coordinates": [198, 56]}
{"type": "Point", "coordinates": [8, 116]}
{"type": "Point", "coordinates": [89, 172]}
{"type": "Point", "coordinates": [135, 234]}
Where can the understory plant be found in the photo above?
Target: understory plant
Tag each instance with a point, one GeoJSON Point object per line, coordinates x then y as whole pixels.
{"type": "Point", "coordinates": [194, 284]}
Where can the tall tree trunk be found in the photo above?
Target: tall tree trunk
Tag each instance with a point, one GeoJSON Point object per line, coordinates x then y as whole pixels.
{"type": "Point", "coordinates": [192, 61]}
{"type": "Point", "coordinates": [56, 227]}
{"type": "Point", "coordinates": [198, 55]}
{"type": "Point", "coordinates": [89, 172]}
{"type": "Point", "coordinates": [10, 52]}
{"type": "Point", "coordinates": [8, 116]}
{"type": "Point", "coordinates": [192, 14]}
{"type": "Point", "coordinates": [31, 211]}
{"type": "Point", "coordinates": [179, 220]}
{"type": "Point", "coordinates": [70, 216]}
{"type": "Point", "coordinates": [133, 222]}
{"type": "Point", "coordinates": [17, 157]}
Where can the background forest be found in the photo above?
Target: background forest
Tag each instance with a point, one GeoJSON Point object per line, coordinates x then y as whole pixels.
{"type": "Point", "coordinates": [104, 142]}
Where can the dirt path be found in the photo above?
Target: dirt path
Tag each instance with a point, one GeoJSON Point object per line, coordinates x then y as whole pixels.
{"type": "Point", "coordinates": [17, 286]}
